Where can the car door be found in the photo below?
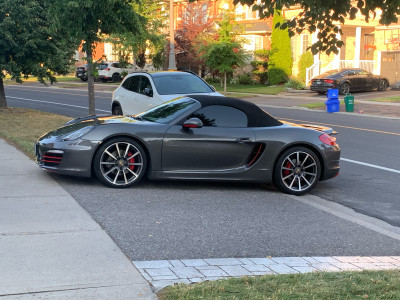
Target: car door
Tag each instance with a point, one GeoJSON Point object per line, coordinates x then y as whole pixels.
{"type": "Point", "coordinates": [354, 79]}
{"type": "Point", "coordinates": [366, 82]}
{"type": "Point", "coordinates": [223, 143]}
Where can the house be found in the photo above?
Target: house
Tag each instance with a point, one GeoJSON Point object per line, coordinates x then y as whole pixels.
{"type": "Point", "coordinates": [368, 46]}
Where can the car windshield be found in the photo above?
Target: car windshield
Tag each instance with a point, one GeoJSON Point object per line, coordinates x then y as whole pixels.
{"type": "Point", "coordinates": [180, 84]}
{"type": "Point", "coordinates": [167, 111]}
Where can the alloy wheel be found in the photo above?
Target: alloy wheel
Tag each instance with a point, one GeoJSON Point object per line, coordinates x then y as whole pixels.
{"type": "Point", "coordinates": [121, 163]}
{"type": "Point", "coordinates": [299, 171]}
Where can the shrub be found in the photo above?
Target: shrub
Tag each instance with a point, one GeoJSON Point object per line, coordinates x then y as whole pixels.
{"type": "Point", "coordinates": [295, 83]}
{"type": "Point", "coordinates": [245, 79]}
{"type": "Point", "coordinates": [276, 76]}
{"type": "Point", "coordinates": [212, 80]}
{"type": "Point", "coordinates": [262, 54]}
{"type": "Point", "coordinates": [261, 76]}
{"type": "Point", "coordinates": [306, 60]}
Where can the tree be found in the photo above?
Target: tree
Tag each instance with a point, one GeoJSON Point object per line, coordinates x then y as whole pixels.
{"type": "Point", "coordinates": [260, 65]}
{"type": "Point", "coordinates": [280, 59]}
{"type": "Point", "coordinates": [324, 16]}
{"type": "Point", "coordinates": [150, 39]}
{"type": "Point", "coordinates": [306, 60]}
{"type": "Point", "coordinates": [224, 52]}
{"type": "Point", "coordinates": [195, 24]}
{"type": "Point", "coordinates": [28, 46]}
{"type": "Point", "coordinates": [87, 20]}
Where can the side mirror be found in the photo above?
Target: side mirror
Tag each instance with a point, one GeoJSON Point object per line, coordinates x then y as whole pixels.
{"type": "Point", "coordinates": [148, 92]}
{"type": "Point", "coordinates": [192, 123]}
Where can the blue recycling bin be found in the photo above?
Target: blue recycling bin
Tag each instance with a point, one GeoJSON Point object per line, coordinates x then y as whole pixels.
{"type": "Point", "coordinates": [333, 103]}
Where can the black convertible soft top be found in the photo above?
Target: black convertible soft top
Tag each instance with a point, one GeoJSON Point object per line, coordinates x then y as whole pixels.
{"type": "Point", "coordinates": [255, 115]}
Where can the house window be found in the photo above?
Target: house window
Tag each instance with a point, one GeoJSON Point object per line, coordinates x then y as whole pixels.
{"type": "Point", "coordinates": [304, 43]}
{"type": "Point", "coordinates": [258, 43]}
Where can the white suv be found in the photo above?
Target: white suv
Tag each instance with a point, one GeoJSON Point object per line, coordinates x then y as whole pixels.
{"type": "Point", "coordinates": [141, 91]}
{"type": "Point", "coordinates": [112, 71]}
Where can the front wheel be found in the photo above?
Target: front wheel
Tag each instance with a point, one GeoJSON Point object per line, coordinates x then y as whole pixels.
{"type": "Point", "coordinates": [117, 110]}
{"type": "Point", "coordinates": [116, 77]}
{"type": "Point", "coordinates": [383, 85]}
{"type": "Point", "coordinates": [120, 163]}
{"type": "Point", "coordinates": [297, 171]}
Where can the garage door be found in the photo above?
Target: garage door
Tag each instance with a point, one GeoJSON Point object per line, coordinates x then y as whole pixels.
{"type": "Point", "coordinates": [390, 66]}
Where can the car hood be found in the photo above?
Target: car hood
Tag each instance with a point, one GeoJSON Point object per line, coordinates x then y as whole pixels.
{"type": "Point", "coordinates": [320, 128]}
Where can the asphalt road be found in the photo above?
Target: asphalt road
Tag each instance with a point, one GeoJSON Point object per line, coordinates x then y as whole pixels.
{"type": "Point", "coordinates": [173, 220]}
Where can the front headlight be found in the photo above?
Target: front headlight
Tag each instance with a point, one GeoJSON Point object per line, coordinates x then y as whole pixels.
{"type": "Point", "coordinates": [78, 133]}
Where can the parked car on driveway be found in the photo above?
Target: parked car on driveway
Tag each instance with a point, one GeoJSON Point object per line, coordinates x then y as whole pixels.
{"type": "Point", "coordinates": [196, 137]}
{"type": "Point", "coordinates": [113, 71]}
{"type": "Point", "coordinates": [141, 91]}
{"type": "Point", "coordinates": [80, 72]}
{"type": "Point", "coordinates": [348, 80]}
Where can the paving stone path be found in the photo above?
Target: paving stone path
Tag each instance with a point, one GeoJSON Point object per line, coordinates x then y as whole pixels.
{"type": "Point", "coordinates": [161, 273]}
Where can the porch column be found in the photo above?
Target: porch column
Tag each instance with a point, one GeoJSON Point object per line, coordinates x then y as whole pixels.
{"type": "Point", "coordinates": [357, 48]}
{"type": "Point", "coordinates": [314, 40]}
{"type": "Point", "coordinates": [337, 56]}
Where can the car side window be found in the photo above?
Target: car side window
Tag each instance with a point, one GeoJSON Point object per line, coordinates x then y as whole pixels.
{"type": "Point", "coordinates": [221, 116]}
{"type": "Point", "coordinates": [115, 65]}
{"type": "Point", "coordinates": [144, 83]}
{"type": "Point", "coordinates": [132, 84]}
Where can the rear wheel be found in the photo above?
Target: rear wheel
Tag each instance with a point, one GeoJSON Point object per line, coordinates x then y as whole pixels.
{"type": "Point", "coordinates": [120, 163]}
{"type": "Point", "coordinates": [321, 92]}
{"type": "Point", "coordinates": [116, 77]}
{"type": "Point", "coordinates": [383, 85]}
{"type": "Point", "coordinates": [297, 171]}
{"type": "Point", "coordinates": [344, 88]}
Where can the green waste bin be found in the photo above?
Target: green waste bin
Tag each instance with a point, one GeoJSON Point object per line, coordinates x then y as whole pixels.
{"type": "Point", "coordinates": [349, 102]}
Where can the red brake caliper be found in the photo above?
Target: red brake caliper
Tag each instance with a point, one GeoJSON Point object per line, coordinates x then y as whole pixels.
{"type": "Point", "coordinates": [287, 172]}
{"type": "Point", "coordinates": [131, 161]}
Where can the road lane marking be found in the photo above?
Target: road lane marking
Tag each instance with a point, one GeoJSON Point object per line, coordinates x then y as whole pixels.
{"type": "Point", "coordinates": [26, 89]}
{"type": "Point", "coordinates": [348, 127]}
{"type": "Point", "coordinates": [370, 165]}
{"type": "Point", "coordinates": [62, 104]}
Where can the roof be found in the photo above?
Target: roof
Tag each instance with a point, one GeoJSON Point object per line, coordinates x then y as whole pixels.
{"type": "Point", "coordinates": [255, 115]}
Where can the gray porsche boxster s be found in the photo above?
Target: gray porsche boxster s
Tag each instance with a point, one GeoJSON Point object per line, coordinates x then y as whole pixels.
{"type": "Point", "coordinates": [196, 138]}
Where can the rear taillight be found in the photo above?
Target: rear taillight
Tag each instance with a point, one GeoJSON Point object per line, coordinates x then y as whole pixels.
{"type": "Point", "coordinates": [327, 139]}
{"type": "Point", "coordinates": [328, 81]}
{"type": "Point", "coordinates": [107, 69]}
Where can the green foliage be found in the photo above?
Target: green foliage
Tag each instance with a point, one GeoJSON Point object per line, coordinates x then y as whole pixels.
{"type": "Point", "coordinates": [306, 60]}
{"type": "Point", "coordinates": [276, 76]}
{"type": "Point", "coordinates": [262, 54]}
{"type": "Point", "coordinates": [212, 80]}
{"type": "Point", "coordinates": [295, 83]}
{"type": "Point", "coordinates": [28, 46]}
{"type": "Point", "coordinates": [245, 79]}
{"type": "Point", "coordinates": [262, 76]}
{"type": "Point", "coordinates": [327, 16]}
{"type": "Point", "coordinates": [281, 53]}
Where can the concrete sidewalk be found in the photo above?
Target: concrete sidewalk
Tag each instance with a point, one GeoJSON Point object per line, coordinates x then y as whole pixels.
{"type": "Point", "coordinates": [50, 247]}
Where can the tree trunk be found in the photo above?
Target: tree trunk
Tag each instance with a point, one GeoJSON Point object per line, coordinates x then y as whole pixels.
{"type": "Point", "coordinates": [3, 101]}
{"type": "Point", "coordinates": [225, 82]}
{"type": "Point", "coordinates": [90, 82]}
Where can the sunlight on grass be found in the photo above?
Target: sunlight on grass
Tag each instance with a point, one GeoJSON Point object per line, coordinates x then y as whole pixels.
{"type": "Point", "coordinates": [386, 99]}
{"type": "Point", "coordinates": [22, 127]}
{"type": "Point", "coordinates": [255, 89]}
{"type": "Point", "coordinates": [322, 285]}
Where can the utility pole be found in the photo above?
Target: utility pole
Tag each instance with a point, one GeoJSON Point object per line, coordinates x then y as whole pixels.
{"type": "Point", "coordinates": [171, 62]}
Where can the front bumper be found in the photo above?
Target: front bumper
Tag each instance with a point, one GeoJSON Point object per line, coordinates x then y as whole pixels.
{"type": "Point", "coordinates": [66, 157]}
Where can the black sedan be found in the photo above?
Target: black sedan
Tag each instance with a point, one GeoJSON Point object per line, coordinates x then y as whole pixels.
{"type": "Point", "coordinates": [195, 138]}
{"type": "Point", "coordinates": [348, 80]}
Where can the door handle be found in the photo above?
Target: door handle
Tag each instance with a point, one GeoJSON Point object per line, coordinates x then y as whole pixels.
{"type": "Point", "coordinates": [243, 140]}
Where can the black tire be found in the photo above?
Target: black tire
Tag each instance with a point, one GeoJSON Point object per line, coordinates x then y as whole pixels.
{"type": "Point", "coordinates": [297, 171]}
{"type": "Point", "coordinates": [84, 78]}
{"type": "Point", "coordinates": [120, 163]}
{"type": "Point", "coordinates": [383, 85]}
{"type": "Point", "coordinates": [116, 77]}
{"type": "Point", "coordinates": [344, 88]}
{"type": "Point", "coordinates": [117, 110]}
{"type": "Point", "coordinates": [321, 93]}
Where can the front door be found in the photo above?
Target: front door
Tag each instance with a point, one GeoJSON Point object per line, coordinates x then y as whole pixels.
{"type": "Point", "coordinates": [223, 143]}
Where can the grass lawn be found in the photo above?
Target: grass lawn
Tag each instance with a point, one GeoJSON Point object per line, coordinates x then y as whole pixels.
{"type": "Point", "coordinates": [387, 99]}
{"type": "Point", "coordinates": [256, 89]}
{"type": "Point", "coordinates": [323, 285]}
{"type": "Point", "coordinates": [68, 78]}
{"type": "Point", "coordinates": [22, 127]}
